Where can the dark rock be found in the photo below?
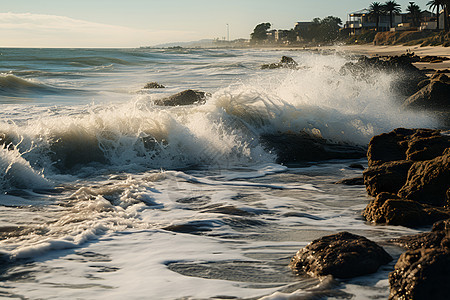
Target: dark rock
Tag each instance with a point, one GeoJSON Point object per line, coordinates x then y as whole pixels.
{"type": "Point", "coordinates": [387, 147]}
{"type": "Point", "coordinates": [421, 274]}
{"type": "Point", "coordinates": [405, 84]}
{"type": "Point", "coordinates": [75, 149]}
{"type": "Point", "coordinates": [435, 94]}
{"type": "Point", "coordinates": [343, 255]}
{"type": "Point", "coordinates": [412, 166]}
{"type": "Point", "coordinates": [193, 227]}
{"type": "Point", "coordinates": [389, 209]}
{"type": "Point", "coordinates": [433, 58]}
{"type": "Point", "coordinates": [439, 237]}
{"type": "Point", "coordinates": [428, 181]}
{"type": "Point", "coordinates": [422, 148]}
{"type": "Point", "coordinates": [186, 97]}
{"type": "Point", "coordinates": [356, 166]}
{"type": "Point", "coordinates": [286, 62]}
{"type": "Point", "coordinates": [154, 85]}
{"type": "Point", "coordinates": [406, 144]}
{"type": "Point", "coordinates": [351, 181]}
{"type": "Point", "coordinates": [423, 83]}
{"type": "Point", "coordinates": [299, 147]}
{"type": "Point", "coordinates": [389, 177]}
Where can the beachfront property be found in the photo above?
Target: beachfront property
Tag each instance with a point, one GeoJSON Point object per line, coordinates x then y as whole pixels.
{"type": "Point", "coordinates": [301, 27]}
{"type": "Point", "coordinates": [362, 20]}
{"type": "Point", "coordinates": [432, 24]}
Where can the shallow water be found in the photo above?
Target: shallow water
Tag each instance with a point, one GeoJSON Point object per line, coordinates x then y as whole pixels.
{"type": "Point", "coordinates": [107, 195]}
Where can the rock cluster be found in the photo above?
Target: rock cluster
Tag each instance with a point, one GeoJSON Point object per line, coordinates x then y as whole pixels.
{"type": "Point", "coordinates": [154, 85]}
{"type": "Point", "coordinates": [292, 147]}
{"type": "Point", "coordinates": [407, 81]}
{"type": "Point", "coordinates": [408, 173]}
{"type": "Point", "coordinates": [186, 97]}
{"type": "Point", "coordinates": [434, 94]}
{"type": "Point", "coordinates": [423, 272]}
{"type": "Point", "coordinates": [438, 237]}
{"type": "Point", "coordinates": [286, 62]}
{"type": "Point", "coordinates": [343, 255]}
{"type": "Point", "coordinates": [432, 59]}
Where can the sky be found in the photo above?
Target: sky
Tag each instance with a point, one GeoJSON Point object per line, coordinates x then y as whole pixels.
{"type": "Point", "coordinates": [136, 23]}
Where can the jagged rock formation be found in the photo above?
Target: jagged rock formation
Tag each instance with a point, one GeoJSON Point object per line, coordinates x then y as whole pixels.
{"type": "Point", "coordinates": [409, 171]}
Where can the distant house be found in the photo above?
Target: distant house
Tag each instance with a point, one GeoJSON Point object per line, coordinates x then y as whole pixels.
{"type": "Point", "coordinates": [281, 35]}
{"type": "Point", "coordinates": [431, 23]}
{"type": "Point", "coordinates": [361, 20]}
{"type": "Point", "coordinates": [407, 22]}
{"type": "Point", "coordinates": [302, 26]}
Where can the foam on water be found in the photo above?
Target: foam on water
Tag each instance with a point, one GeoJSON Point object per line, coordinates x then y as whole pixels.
{"type": "Point", "coordinates": [225, 131]}
{"type": "Point", "coordinates": [319, 99]}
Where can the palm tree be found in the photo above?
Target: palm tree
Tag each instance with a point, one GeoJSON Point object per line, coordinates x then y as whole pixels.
{"type": "Point", "coordinates": [415, 12]}
{"type": "Point", "coordinates": [446, 5]}
{"type": "Point", "coordinates": [436, 4]}
{"type": "Point", "coordinates": [376, 10]}
{"type": "Point", "coordinates": [392, 8]}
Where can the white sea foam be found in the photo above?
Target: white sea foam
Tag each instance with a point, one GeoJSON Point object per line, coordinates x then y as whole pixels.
{"type": "Point", "coordinates": [322, 101]}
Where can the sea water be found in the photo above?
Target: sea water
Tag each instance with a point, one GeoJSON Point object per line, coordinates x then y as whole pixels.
{"type": "Point", "coordinates": [106, 195]}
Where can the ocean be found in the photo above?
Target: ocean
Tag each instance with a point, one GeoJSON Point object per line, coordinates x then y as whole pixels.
{"type": "Point", "coordinates": [106, 195]}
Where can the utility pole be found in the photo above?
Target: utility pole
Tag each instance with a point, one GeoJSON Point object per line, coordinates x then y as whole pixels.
{"type": "Point", "coordinates": [228, 32]}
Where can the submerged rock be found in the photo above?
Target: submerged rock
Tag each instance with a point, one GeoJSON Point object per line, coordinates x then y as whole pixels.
{"type": "Point", "coordinates": [351, 181]}
{"type": "Point", "coordinates": [421, 274]}
{"type": "Point", "coordinates": [75, 149]}
{"type": "Point", "coordinates": [343, 255]}
{"type": "Point", "coordinates": [356, 166]}
{"type": "Point", "coordinates": [286, 62]}
{"type": "Point", "coordinates": [186, 97]}
{"type": "Point", "coordinates": [154, 85]}
{"type": "Point", "coordinates": [300, 147]}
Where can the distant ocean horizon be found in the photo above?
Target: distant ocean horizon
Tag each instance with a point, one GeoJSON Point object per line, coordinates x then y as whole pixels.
{"type": "Point", "coordinates": [107, 195]}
